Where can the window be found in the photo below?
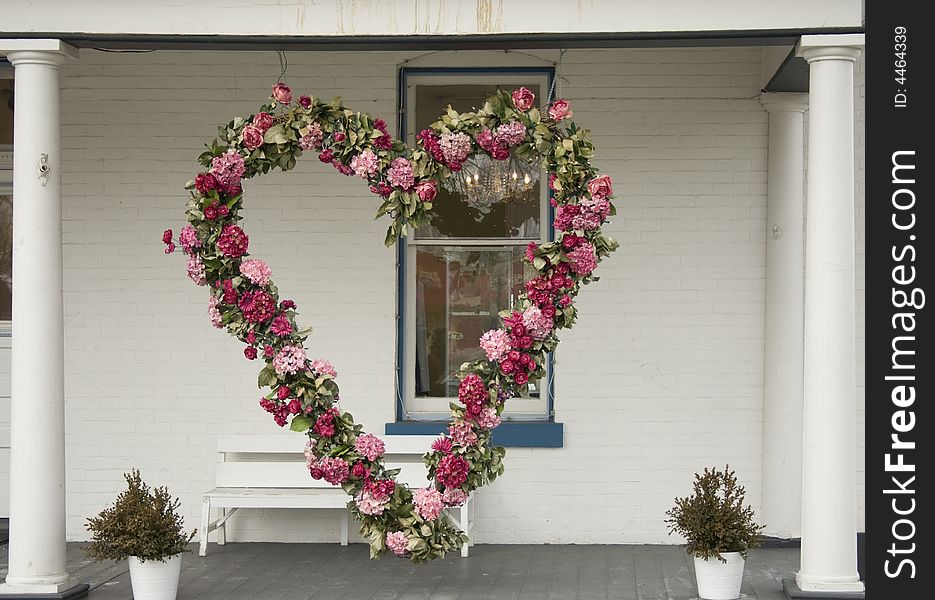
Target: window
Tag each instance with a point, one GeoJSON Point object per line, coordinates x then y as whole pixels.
{"type": "Point", "coordinates": [466, 265]}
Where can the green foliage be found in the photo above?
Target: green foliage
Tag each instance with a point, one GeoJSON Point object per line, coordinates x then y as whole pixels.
{"type": "Point", "coordinates": [142, 522]}
{"type": "Point", "coordinates": [713, 519]}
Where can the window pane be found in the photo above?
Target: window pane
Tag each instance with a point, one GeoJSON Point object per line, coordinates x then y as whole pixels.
{"type": "Point", "coordinates": [451, 215]}
{"type": "Point", "coordinates": [6, 257]}
{"type": "Point", "coordinates": [459, 293]}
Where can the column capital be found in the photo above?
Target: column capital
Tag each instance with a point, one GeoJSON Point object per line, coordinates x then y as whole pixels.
{"type": "Point", "coordinates": [37, 51]}
{"type": "Point", "coordinates": [784, 101]}
{"type": "Point", "coordinates": [830, 47]}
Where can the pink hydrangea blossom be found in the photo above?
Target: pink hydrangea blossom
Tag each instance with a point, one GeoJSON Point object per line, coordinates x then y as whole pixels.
{"type": "Point", "coordinates": [428, 503]}
{"type": "Point", "coordinates": [565, 215]}
{"type": "Point", "coordinates": [256, 271]}
{"type": "Point", "coordinates": [310, 458]}
{"type": "Point", "coordinates": [488, 418]}
{"type": "Point", "coordinates": [333, 470]}
{"type": "Point", "coordinates": [257, 306]}
{"type": "Point", "coordinates": [454, 497]}
{"type": "Point", "coordinates": [597, 205]}
{"type": "Point", "coordinates": [290, 359]}
{"type": "Point", "coordinates": [233, 241]}
{"type": "Point", "coordinates": [228, 168]}
{"type": "Point", "coordinates": [455, 146]}
{"type": "Point", "coordinates": [583, 259]}
{"type": "Point", "coordinates": [537, 324]}
{"type": "Point", "coordinates": [281, 325]}
{"type": "Point", "coordinates": [370, 446]}
{"type": "Point", "coordinates": [510, 134]}
{"type": "Point", "coordinates": [324, 425]}
{"type": "Point", "coordinates": [196, 269]}
{"type": "Point", "coordinates": [188, 238]}
{"type": "Point", "coordinates": [369, 505]}
{"type": "Point", "coordinates": [462, 433]}
{"type": "Point", "coordinates": [323, 367]}
{"type": "Point", "coordinates": [400, 174]}
{"type": "Point", "coordinates": [365, 164]}
{"type": "Point", "coordinates": [452, 471]}
{"type": "Point", "coordinates": [586, 221]}
{"type": "Point", "coordinates": [312, 139]}
{"type": "Point", "coordinates": [213, 313]}
{"type": "Point", "coordinates": [496, 343]}
{"type": "Point", "coordinates": [382, 488]}
{"type": "Point", "coordinates": [398, 542]}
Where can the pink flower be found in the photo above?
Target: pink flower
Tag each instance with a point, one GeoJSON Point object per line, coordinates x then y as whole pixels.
{"type": "Point", "coordinates": [340, 136]}
{"type": "Point", "coordinates": [442, 445]}
{"type": "Point", "coordinates": [398, 542]}
{"type": "Point", "coordinates": [537, 324]}
{"type": "Point", "coordinates": [213, 313]}
{"type": "Point", "coordinates": [295, 406]}
{"type": "Point", "coordinates": [263, 121]}
{"type": "Point", "coordinates": [252, 137]}
{"type": "Point", "coordinates": [369, 446]}
{"type": "Point", "coordinates": [268, 351]}
{"type": "Point", "coordinates": [249, 352]}
{"type": "Point", "coordinates": [326, 156]}
{"type": "Point", "coordinates": [282, 392]}
{"type": "Point", "coordinates": [455, 147]}
{"type": "Point", "coordinates": [334, 470]}
{"type": "Point", "coordinates": [365, 164]}
{"type": "Point", "coordinates": [233, 241]}
{"type": "Point", "coordinates": [369, 505]}
{"type": "Point", "coordinates": [228, 169]}
{"type": "Point", "coordinates": [381, 489]}
{"type": "Point", "coordinates": [305, 101]}
{"type": "Point", "coordinates": [531, 248]}
{"type": "Point", "coordinates": [324, 425]}
{"type": "Point", "coordinates": [291, 359]}
{"type": "Point", "coordinates": [600, 206]}
{"type": "Point", "coordinates": [188, 238]}
{"type": "Point", "coordinates": [427, 190]}
{"type": "Point", "coordinates": [488, 418]}
{"type": "Point", "coordinates": [360, 471]}
{"type": "Point", "coordinates": [428, 503]}
{"type": "Point", "coordinates": [281, 325]}
{"type": "Point", "coordinates": [510, 134]}
{"type": "Point", "coordinates": [400, 174]}
{"type": "Point", "coordinates": [523, 99]}
{"type": "Point", "coordinates": [323, 367]}
{"type": "Point", "coordinates": [282, 93]}
{"type": "Point", "coordinates": [600, 187]}
{"type": "Point", "coordinates": [583, 259]}
{"type": "Point", "coordinates": [452, 471]}
{"type": "Point", "coordinates": [256, 271]}
{"type": "Point", "coordinates": [520, 378]}
{"type": "Point", "coordinates": [472, 392]}
{"type": "Point", "coordinates": [196, 270]}
{"type": "Point", "coordinates": [565, 216]}
{"type": "Point", "coordinates": [561, 109]}
{"type": "Point", "coordinates": [496, 343]}
{"type": "Point", "coordinates": [257, 306]}
{"type": "Point", "coordinates": [313, 138]}
{"type": "Point", "coordinates": [462, 433]}
{"type": "Point", "coordinates": [205, 182]}
{"type": "Point", "coordinates": [454, 497]}
{"type": "Point", "coordinates": [167, 236]}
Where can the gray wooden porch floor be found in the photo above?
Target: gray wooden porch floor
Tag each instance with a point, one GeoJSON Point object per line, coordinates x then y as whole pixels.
{"type": "Point", "coordinates": [493, 572]}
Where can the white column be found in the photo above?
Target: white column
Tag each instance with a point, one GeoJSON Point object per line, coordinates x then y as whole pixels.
{"type": "Point", "coordinates": [37, 459]}
{"type": "Point", "coordinates": [785, 296]}
{"type": "Point", "coordinates": [829, 483]}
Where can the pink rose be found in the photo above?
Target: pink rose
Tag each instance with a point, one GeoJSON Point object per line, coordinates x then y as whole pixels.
{"type": "Point", "coordinates": [600, 187]}
{"type": "Point", "coordinates": [282, 93]}
{"type": "Point", "coordinates": [263, 120]}
{"type": "Point", "coordinates": [560, 109]}
{"type": "Point", "coordinates": [252, 137]}
{"type": "Point", "coordinates": [305, 101]}
{"type": "Point", "coordinates": [339, 136]}
{"type": "Point", "coordinates": [427, 190]}
{"type": "Point", "coordinates": [523, 98]}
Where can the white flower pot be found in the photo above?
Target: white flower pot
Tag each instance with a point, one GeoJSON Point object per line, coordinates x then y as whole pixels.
{"type": "Point", "coordinates": [717, 580]}
{"type": "Point", "coordinates": [155, 580]}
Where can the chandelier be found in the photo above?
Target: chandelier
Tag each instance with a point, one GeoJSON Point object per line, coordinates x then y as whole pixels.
{"type": "Point", "coordinates": [484, 181]}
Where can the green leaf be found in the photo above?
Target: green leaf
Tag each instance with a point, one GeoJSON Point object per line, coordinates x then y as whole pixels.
{"type": "Point", "coordinates": [275, 135]}
{"type": "Point", "coordinates": [301, 423]}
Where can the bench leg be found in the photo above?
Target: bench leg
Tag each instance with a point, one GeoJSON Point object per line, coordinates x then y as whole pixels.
{"type": "Point", "coordinates": [205, 523]}
{"type": "Point", "coordinates": [345, 525]}
{"type": "Point", "coordinates": [222, 530]}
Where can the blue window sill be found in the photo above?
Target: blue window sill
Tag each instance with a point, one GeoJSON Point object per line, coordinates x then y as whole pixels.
{"type": "Point", "coordinates": [511, 434]}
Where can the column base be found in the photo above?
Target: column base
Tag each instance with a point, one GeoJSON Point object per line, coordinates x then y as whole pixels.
{"type": "Point", "coordinates": [18, 592]}
{"type": "Point", "coordinates": [793, 592]}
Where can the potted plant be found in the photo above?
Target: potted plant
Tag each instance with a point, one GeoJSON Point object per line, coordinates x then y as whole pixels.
{"type": "Point", "coordinates": [718, 529]}
{"type": "Point", "coordinates": [143, 527]}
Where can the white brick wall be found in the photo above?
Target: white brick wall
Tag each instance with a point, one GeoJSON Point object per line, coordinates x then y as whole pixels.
{"type": "Point", "coordinates": [661, 377]}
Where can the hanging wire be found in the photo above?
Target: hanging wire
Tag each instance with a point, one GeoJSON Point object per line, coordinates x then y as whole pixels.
{"type": "Point", "coordinates": [283, 64]}
{"type": "Point", "coordinates": [558, 71]}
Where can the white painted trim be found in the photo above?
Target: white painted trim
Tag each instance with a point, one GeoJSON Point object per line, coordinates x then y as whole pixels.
{"type": "Point", "coordinates": [39, 45]}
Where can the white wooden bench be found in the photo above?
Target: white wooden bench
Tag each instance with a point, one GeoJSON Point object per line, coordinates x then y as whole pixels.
{"type": "Point", "coordinates": [268, 471]}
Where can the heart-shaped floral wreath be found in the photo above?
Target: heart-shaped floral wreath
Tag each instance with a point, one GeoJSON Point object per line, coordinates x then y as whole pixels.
{"type": "Point", "coordinates": [244, 300]}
